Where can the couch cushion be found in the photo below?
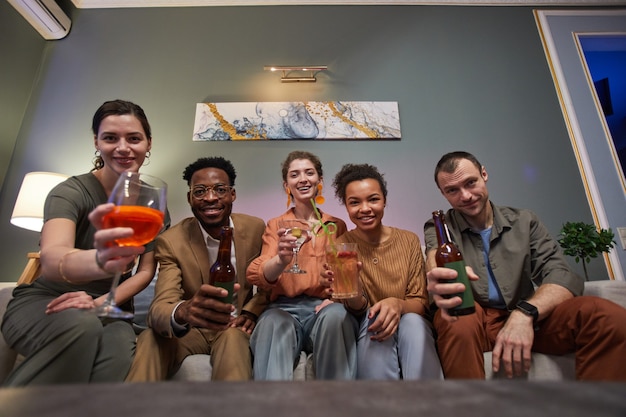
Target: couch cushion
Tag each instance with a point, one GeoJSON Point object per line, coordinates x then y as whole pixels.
{"type": "Point", "coordinates": [198, 368]}
{"type": "Point", "coordinates": [544, 367]}
{"type": "Point", "coordinates": [141, 302]}
{"type": "Point", "coordinates": [194, 368]}
{"type": "Point", "coordinates": [611, 290]}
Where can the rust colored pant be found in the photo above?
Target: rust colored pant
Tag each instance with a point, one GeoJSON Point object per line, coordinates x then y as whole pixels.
{"type": "Point", "coordinates": [593, 327]}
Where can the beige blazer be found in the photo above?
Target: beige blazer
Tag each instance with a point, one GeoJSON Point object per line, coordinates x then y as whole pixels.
{"type": "Point", "coordinates": [184, 266]}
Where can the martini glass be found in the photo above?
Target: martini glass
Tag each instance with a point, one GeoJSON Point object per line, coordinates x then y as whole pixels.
{"type": "Point", "coordinates": [301, 230]}
{"type": "Point", "coordinates": [140, 204]}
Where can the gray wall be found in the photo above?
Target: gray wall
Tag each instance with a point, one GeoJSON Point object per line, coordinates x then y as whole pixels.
{"type": "Point", "coordinates": [21, 49]}
{"type": "Point", "coordinates": [472, 78]}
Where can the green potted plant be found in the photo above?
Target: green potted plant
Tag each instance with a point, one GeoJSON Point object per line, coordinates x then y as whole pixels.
{"type": "Point", "coordinates": [584, 241]}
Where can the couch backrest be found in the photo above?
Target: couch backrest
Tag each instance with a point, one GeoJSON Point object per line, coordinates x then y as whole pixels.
{"type": "Point", "coordinates": [611, 290]}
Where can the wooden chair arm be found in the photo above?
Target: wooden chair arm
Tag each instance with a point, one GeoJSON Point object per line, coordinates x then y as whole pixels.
{"type": "Point", "coordinates": [32, 270]}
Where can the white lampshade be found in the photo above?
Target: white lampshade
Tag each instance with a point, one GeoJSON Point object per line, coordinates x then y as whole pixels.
{"type": "Point", "coordinates": [28, 210]}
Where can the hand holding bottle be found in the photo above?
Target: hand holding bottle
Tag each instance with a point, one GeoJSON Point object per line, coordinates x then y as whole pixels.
{"type": "Point", "coordinates": [206, 310]}
{"type": "Point", "coordinates": [448, 255]}
{"type": "Point", "coordinates": [442, 286]}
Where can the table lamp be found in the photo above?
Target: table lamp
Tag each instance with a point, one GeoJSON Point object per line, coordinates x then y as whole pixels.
{"type": "Point", "coordinates": [28, 213]}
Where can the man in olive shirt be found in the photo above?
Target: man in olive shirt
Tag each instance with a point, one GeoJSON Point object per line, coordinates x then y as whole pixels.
{"type": "Point", "coordinates": [526, 297]}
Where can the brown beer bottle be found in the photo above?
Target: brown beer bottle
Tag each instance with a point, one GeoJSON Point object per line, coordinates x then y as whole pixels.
{"type": "Point", "coordinates": [222, 273]}
{"type": "Point", "coordinates": [448, 255]}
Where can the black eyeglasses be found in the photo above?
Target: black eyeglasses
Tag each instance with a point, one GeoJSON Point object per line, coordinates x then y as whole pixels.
{"type": "Point", "coordinates": [220, 190]}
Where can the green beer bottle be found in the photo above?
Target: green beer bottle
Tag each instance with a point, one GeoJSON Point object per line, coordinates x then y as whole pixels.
{"type": "Point", "coordinates": [448, 255]}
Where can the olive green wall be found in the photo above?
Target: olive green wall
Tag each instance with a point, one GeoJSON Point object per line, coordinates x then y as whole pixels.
{"type": "Point", "coordinates": [471, 78]}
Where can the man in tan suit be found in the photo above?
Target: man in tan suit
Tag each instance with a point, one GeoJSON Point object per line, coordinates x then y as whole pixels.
{"type": "Point", "coordinates": [186, 316]}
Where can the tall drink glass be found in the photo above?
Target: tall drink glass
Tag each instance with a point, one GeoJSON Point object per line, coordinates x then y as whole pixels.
{"type": "Point", "coordinates": [342, 259]}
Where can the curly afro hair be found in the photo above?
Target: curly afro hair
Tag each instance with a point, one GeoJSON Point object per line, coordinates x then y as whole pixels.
{"type": "Point", "coordinates": [211, 162]}
{"type": "Point", "coordinates": [357, 172]}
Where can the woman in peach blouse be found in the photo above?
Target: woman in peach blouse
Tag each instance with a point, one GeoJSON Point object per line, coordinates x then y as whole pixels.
{"type": "Point", "coordinates": [299, 318]}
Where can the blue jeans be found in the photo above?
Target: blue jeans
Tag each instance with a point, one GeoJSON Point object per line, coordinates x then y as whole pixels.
{"type": "Point", "coordinates": [290, 325]}
{"type": "Point", "coordinates": [409, 354]}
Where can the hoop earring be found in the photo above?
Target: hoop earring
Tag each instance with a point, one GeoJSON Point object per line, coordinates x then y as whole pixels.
{"type": "Point", "coordinates": [146, 161]}
{"type": "Point", "coordinates": [288, 197]}
{"type": "Point", "coordinates": [97, 160]}
{"type": "Point", "coordinates": [319, 198]}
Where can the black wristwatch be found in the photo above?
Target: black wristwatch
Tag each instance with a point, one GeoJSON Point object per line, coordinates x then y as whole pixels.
{"type": "Point", "coordinates": [528, 309]}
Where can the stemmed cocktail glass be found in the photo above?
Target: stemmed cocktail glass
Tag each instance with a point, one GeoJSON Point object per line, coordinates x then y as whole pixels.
{"type": "Point", "coordinates": [301, 229]}
{"type": "Point", "coordinates": [140, 203]}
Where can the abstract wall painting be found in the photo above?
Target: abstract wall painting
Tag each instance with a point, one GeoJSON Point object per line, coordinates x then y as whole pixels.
{"type": "Point", "coordinates": [306, 120]}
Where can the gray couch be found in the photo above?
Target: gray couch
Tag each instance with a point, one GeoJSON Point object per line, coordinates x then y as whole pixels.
{"type": "Point", "coordinates": [198, 368]}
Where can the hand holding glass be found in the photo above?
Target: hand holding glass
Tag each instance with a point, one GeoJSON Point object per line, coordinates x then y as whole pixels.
{"type": "Point", "coordinates": [301, 230]}
{"type": "Point", "coordinates": [140, 202]}
{"type": "Point", "coordinates": [342, 260]}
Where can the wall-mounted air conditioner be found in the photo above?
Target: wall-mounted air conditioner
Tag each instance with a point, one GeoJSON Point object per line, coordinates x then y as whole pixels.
{"type": "Point", "coordinates": [45, 16]}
